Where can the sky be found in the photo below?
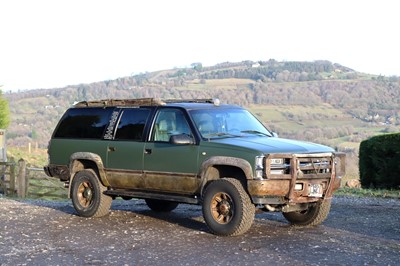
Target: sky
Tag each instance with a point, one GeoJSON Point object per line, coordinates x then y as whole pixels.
{"type": "Point", "coordinates": [53, 44]}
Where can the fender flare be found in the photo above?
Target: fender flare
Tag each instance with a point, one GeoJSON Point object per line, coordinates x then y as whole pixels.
{"type": "Point", "coordinates": [223, 160]}
{"type": "Point", "coordinates": [89, 156]}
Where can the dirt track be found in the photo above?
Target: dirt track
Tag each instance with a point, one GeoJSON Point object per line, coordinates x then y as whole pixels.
{"type": "Point", "coordinates": [357, 232]}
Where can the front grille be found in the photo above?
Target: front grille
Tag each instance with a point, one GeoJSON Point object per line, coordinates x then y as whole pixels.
{"type": "Point", "coordinates": [303, 166]}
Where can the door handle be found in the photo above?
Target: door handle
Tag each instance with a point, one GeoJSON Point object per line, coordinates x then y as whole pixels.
{"type": "Point", "coordinates": [111, 149]}
{"type": "Point", "coordinates": [147, 151]}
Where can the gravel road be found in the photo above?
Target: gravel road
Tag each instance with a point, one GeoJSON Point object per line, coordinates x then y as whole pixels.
{"type": "Point", "coordinates": [358, 231]}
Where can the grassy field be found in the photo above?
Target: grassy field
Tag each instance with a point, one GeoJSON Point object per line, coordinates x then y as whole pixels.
{"type": "Point", "coordinates": [198, 85]}
{"type": "Point", "coordinates": [35, 157]}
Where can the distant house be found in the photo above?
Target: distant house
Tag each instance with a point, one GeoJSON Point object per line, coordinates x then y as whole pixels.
{"type": "Point", "coordinates": [255, 65]}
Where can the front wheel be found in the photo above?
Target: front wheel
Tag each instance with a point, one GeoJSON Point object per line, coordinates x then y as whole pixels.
{"type": "Point", "coordinates": [87, 195]}
{"type": "Point", "coordinates": [227, 208]}
{"type": "Point", "coordinates": [314, 215]}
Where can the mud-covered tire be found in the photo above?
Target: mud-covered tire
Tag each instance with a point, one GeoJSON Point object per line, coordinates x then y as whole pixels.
{"type": "Point", "coordinates": [87, 195]}
{"type": "Point", "coordinates": [161, 205]}
{"type": "Point", "coordinates": [227, 208]}
{"type": "Point", "coordinates": [314, 215]}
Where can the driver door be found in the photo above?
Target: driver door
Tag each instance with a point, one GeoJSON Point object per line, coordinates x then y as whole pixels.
{"type": "Point", "coordinates": [171, 167]}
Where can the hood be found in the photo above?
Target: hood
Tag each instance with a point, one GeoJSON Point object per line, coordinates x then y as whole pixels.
{"type": "Point", "coordinates": [274, 145]}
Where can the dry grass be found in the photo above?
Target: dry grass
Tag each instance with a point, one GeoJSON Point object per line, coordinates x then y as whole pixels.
{"type": "Point", "coordinates": [35, 157]}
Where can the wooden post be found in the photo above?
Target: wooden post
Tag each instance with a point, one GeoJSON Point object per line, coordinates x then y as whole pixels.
{"type": "Point", "coordinates": [12, 177]}
{"type": "Point", "coordinates": [3, 187]}
{"type": "Point", "coordinates": [22, 179]}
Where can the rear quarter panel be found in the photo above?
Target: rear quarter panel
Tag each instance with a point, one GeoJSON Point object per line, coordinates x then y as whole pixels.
{"type": "Point", "coordinates": [60, 150]}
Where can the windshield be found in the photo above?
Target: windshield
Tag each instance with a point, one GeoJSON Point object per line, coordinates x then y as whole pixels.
{"type": "Point", "coordinates": [217, 123]}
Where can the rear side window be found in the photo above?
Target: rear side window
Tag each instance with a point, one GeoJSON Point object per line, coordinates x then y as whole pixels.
{"type": "Point", "coordinates": [132, 123]}
{"type": "Point", "coordinates": [84, 123]}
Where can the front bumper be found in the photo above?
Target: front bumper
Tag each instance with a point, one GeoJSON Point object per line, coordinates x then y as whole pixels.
{"type": "Point", "coordinates": [299, 177]}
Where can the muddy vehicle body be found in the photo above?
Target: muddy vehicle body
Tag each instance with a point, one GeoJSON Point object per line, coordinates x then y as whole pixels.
{"type": "Point", "coordinates": [190, 151]}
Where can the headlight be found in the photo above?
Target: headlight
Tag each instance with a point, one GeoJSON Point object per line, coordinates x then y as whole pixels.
{"type": "Point", "coordinates": [278, 161]}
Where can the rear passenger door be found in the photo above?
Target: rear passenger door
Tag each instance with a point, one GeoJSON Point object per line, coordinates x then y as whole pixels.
{"type": "Point", "coordinates": [125, 151]}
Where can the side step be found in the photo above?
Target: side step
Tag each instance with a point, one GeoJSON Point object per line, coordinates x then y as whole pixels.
{"type": "Point", "coordinates": [152, 195]}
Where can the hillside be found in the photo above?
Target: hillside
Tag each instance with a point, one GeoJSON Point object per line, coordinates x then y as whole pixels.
{"type": "Point", "coordinates": [316, 101]}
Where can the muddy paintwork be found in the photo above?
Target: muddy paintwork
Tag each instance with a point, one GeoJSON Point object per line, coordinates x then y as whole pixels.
{"type": "Point", "coordinates": [180, 171]}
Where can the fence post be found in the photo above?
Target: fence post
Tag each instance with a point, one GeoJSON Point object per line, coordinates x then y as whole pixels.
{"type": "Point", "coordinates": [22, 179]}
{"type": "Point", "coordinates": [12, 177]}
{"type": "Point", "coordinates": [3, 186]}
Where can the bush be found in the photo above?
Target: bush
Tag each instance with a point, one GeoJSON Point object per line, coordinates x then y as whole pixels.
{"type": "Point", "coordinates": [380, 161]}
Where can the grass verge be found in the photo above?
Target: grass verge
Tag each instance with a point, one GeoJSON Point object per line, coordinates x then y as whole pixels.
{"type": "Point", "coordinates": [363, 192]}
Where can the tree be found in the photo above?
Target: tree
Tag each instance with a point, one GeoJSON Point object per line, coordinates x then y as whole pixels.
{"type": "Point", "coordinates": [4, 112]}
{"type": "Point", "coordinates": [197, 66]}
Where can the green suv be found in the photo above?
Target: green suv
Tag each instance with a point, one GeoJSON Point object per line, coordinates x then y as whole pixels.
{"type": "Point", "coordinates": [190, 151]}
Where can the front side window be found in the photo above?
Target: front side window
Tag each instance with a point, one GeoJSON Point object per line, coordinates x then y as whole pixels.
{"type": "Point", "coordinates": [169, 122]}
{"type": "Point", "coordinates": [132, 123]}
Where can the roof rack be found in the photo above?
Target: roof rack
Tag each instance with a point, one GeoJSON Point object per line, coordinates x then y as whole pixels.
{"type": "Point", "coordinates": [120, 102]}
{"type": "Point", "coordinates": [189, 101]}
{"type": "Point", "coordinates": [137, 102]}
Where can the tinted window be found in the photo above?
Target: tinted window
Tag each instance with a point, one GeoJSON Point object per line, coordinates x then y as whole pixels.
{"type": "Point", "coordinates": [84, 123]}
{"type": "Point", "coordinates": [132, 124]}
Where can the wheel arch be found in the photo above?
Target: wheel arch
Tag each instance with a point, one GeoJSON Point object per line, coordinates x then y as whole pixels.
{"type": "Point", "coordinates": [217, 167]}
{"type": "Point", "coordinates": [87, 160]}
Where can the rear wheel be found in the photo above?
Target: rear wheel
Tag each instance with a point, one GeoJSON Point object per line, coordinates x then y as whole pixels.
{"type": "Point", "coordinates": [161, 205]}
{"type": "Point", "coordinates": [227, 208]}
{"type": "Point", "coordinates": [87, 195]}
{"type": "Point", "coordinates": [314, 215]}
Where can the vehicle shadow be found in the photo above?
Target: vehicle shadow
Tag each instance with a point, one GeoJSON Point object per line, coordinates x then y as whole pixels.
{"type": "Point", "coordinates": [185, 215]}
{"type": "Point", "coordinates": [188, 216]}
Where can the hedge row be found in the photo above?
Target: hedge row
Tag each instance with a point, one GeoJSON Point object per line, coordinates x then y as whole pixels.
{"type": "Point", "coordinates": [380, 161]}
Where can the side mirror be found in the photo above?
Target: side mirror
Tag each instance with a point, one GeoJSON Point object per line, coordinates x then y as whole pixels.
{"type": "Point", "coordinates": [181, 139]}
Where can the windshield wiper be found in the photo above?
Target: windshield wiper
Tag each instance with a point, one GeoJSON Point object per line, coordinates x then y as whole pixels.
{"type": "Point", "coordinates": [255, 132]}
{"type": "Point", "coordinates": [220, 134]}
